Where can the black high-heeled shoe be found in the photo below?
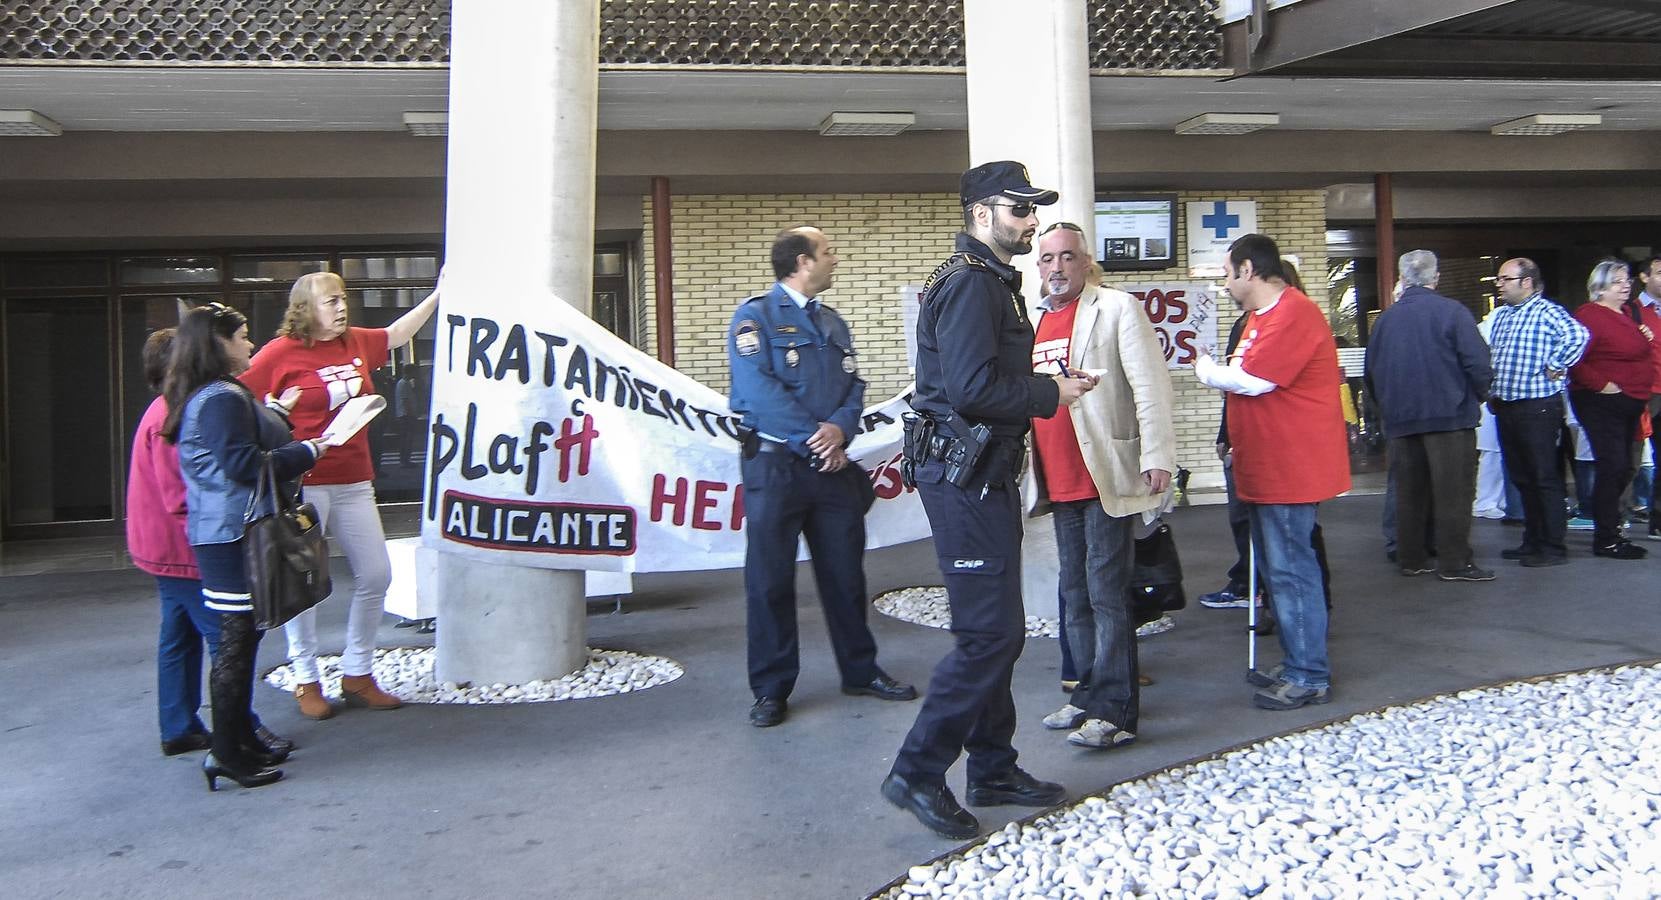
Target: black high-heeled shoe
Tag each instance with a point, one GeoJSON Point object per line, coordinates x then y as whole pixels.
{"type": "Point", "coordinates": [276, 742]}
{"type": "Point", "coordinates": [213, 770]}
{"type": "Point", "coordinates": [263, 756]}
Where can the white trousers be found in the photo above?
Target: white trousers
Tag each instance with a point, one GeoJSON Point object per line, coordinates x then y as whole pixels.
{"type": "Point", "coordinates": [350, 517]}
{"type": "Point", "coordinates": [1490, 485]}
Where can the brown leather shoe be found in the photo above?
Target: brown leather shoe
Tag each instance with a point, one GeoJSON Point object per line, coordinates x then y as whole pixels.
{"type": "Point", "coordinates": [313, 705]}
{"type": "Point", "coordinates": [361, 690]}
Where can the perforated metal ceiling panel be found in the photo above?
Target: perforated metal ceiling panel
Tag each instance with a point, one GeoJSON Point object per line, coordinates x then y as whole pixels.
{"type": "Point", "coordinates": [1124, 34]}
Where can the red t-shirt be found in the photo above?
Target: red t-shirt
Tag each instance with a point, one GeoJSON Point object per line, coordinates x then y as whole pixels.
{"type": "Point", "coordinates": [1617, 352]}
{"type": "Point", "coordinates": [1053, 439]}
{"type": "Point", "coordinates": [1290, 445]}
{"type": "Point", "coordinates": [328, 374]}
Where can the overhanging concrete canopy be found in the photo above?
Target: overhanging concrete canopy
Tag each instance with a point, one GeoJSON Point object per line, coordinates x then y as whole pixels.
{"type": "Point", "coordinates": [1270, 39]}
{"type": "Point", "coordinates": [1507, 39]}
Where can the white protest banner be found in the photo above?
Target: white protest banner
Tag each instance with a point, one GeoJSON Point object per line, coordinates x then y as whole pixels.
{"type": "Point", "coordinates": [556, 444]}
{"type": "Point", "coordinates": [1184, 316]}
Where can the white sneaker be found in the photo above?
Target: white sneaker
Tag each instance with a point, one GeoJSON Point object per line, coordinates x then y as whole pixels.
{"type": "Point", "coordinates": [1100, 734]}
{"type": "Point", "coordinates": [1068, 716]}
{"type": "Point", "coordinates": [1157, 626]}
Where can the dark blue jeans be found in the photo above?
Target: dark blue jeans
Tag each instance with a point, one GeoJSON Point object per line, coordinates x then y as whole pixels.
{"type": "Point", "coordinates": [185, 625]}
{"type": "Point", "coordinates": [185, 622]}
{"type": "Point", "coordinates": [1096, 552]}
{"type": "Point", "coordinates": [1285, 535]}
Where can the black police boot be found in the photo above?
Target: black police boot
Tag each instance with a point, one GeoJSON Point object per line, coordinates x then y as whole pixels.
{"type": "Point", "coordinates": [881, 687]}
{"type": "Point", "coordinates": [933, 805]}
{"type": "Point", "coordinates": [1015, 787]}
{"type": "Point", "coordinates": [768, 711]}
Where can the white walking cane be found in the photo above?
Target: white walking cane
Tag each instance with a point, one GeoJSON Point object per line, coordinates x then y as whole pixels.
{"type": "Point", "coordinates": [1251, 604]}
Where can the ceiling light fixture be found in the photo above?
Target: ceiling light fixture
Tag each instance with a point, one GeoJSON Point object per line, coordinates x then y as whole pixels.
{"type": "Point", "coordinates": [1228, 123]}
{"type": "Point", "coordinates": [1547, 123]}
{"type": "Point", "coordinates": [866, 124]}
{"type": "Point", "coordinates": [27, 123]}
{"type": "Point", "coordinates": [427, 124]}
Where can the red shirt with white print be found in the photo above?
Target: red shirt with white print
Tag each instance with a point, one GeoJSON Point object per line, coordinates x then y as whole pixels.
{"type": "Point", "coordinates": [1054, 440]}
{"type": "Point", "coordinates": [1290, 445]}
{"type": "Point", "coordinates": [328, 374]}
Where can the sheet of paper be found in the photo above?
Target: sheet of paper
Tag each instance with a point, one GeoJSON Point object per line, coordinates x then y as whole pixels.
{"type": "Point", "coordinates": [352, 416]}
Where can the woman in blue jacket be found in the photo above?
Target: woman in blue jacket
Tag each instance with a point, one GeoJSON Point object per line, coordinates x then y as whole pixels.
{"type": "Point", "coordinates": [224, 438]}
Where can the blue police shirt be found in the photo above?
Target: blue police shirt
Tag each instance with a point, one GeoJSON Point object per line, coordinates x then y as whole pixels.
{"type": "Point", "coordinates": [789, 374]}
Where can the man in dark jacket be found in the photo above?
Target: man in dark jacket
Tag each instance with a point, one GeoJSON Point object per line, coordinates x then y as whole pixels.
{"type": "Point", "coordinates": [1428, 369]}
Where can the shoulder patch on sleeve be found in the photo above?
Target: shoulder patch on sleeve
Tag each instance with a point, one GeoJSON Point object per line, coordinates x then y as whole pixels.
{"type": "Point", "coordinates": [746, 337]}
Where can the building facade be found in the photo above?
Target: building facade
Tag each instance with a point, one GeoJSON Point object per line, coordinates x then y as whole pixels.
{"type": "Point", "coordinates": [187, 152]}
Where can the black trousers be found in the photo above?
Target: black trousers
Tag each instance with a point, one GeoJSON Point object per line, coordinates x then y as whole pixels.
{"type": "Point", "coordinates": [969, 706]}
{"type": "Point", "coordinates": [784, 500]}
{"type": "Point", "coordinates": [1240, 525]}
{"type": "Point", "coordinates": [1529, 432]}
{"type": "Point", "coordinates": [1611, 422]}
{"type": "Point", "coordinates": [1435, 483]}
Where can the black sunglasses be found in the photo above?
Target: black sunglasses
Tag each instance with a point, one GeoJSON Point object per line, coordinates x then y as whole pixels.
{"type": "Point", "coordinates": [1018, 210]}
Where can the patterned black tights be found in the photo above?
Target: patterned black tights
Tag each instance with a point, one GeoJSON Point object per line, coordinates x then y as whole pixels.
{"type": "Point", "coordinates": [231, 685]}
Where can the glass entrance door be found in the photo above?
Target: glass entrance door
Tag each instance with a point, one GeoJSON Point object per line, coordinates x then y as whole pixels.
{"type": "Point", "coordinates": [58, 413]}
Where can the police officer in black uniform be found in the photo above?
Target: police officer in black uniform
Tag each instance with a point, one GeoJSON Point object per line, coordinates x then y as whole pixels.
{"type": "Point", "coordinates": [976, 392]}
{"type": "Point", "coordinates": [796, 385]}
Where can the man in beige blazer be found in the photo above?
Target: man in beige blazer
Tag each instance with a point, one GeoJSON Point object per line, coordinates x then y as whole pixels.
{"type": "Point", "coordinates": [1097, 468]}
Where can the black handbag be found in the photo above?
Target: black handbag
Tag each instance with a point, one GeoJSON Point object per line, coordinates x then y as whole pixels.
{"type": "Point", "coordinates": [1156, 576]}
{"type": "Point", "coordinates": [284, 554]}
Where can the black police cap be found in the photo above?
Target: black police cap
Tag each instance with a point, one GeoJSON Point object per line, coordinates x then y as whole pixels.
{"type": "Point", "coordinates": [1006, 178]}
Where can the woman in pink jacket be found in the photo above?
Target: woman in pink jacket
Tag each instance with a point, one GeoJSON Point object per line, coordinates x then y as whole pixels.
{"type": "Point", "coordinates": [156, 541]}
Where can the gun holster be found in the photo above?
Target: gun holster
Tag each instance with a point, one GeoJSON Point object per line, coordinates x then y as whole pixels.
{"type": "Point", "coordinates": [927, 440]}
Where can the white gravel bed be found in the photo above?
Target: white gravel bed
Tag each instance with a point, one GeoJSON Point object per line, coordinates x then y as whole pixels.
{"type": "Point", "coordinates": [928, 606]}
{"type": "Point", "coordinates": [1538, 789]}
{"type": "Point", "coordinates": [407, 673]}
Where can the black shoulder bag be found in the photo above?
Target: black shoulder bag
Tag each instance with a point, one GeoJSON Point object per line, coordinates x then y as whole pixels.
{"type": "Point", "coordinates": [284, 553]}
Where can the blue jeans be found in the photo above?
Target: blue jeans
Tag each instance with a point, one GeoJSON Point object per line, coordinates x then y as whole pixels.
{"type": "Point", "coordinates": [1285, 536]}
{"type": "Point", "coordinates": [1095, 552]}
{"type": "Point", "coordinates": [185, 625]}
{"type": "Point", "coordinates": [1585, 475]}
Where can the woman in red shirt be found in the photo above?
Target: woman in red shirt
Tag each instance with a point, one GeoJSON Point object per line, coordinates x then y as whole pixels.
{"type": "Point", "coordinates": [1609, 388]}
{"type": "Point", "coordinates": [317, 351]}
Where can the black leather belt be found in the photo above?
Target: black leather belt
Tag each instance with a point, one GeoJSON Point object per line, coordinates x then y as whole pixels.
{"type": "Point", "coordinates": [774, 447]}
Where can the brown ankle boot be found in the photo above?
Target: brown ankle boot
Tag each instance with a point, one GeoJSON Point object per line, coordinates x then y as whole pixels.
{"type": "Point", "coordinates": [313, 705]}
{"type": "Point", "coordinates": [361, 690]}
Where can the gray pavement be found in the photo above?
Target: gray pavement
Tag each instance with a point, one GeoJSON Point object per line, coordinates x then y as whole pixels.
{"type": "Point", "coordinates": [668, 792]}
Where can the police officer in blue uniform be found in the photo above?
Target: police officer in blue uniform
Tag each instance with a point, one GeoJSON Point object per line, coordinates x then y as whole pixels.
{"type": "Point", "coordinates": [976, 392]}
{"type": "Point", "coordinates": [796, 385]}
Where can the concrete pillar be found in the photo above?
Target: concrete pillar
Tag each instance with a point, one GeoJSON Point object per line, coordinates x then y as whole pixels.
{"type": "Point", "coordinates": [1029, 100]}
{"type": "Point", "coordinates": [524, 92]}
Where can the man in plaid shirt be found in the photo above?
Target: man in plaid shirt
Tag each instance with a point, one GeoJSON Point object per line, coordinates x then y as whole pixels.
{"type": "Point", "coordinates": [1534, 342]}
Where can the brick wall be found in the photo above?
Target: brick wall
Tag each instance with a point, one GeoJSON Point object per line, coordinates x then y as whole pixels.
{"type": "Point", "coordinates": [887, 241]}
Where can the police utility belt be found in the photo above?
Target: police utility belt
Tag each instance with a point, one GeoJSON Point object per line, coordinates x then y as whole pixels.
{"type": "Point", "coordinates": [752, 443]}
{"type": "Point", "coordinates": [970, 454]}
